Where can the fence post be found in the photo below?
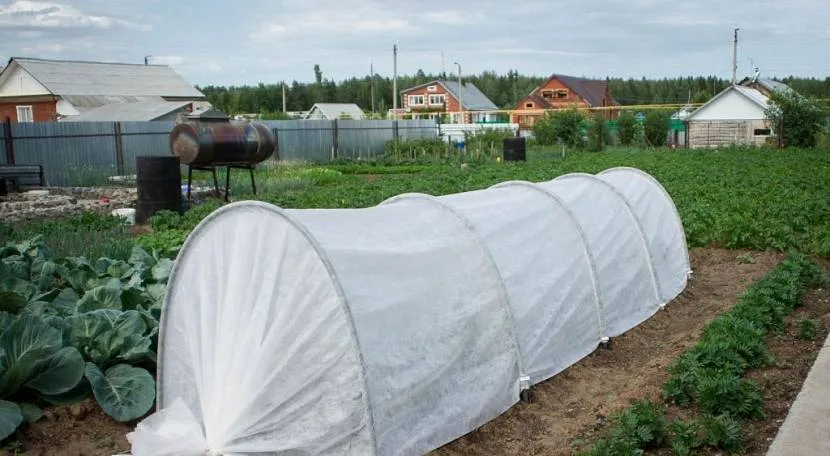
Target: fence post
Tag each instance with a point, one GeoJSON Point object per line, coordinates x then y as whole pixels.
{"type": "Point", "coordinates": [119, 148]}
{"type": "Point", "coordinates": [7, 136]}
{"type": "Point", "coordinates": [395, 132]}
{"type": "Point", "coordinates": [335, 152]}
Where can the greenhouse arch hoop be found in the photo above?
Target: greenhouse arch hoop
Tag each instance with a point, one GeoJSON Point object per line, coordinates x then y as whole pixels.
{"type": "Point", "coordinates": [397, 328]}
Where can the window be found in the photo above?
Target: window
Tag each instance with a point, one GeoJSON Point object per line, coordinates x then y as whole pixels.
{"type": "Point", "coordinates": [416, 100]}
{"type": "Point", "coordinates": [432, 88]}
{"type": "Point", "coordinates": [529, 105]}
{"type": "Point", "coordinates": [437, 99]}
{"type": "Point", "coordinates": [558, 93]}
{"type": "Point", "coordinates": [762, 132]}
{"type": "Point", "coordinates": [24, 114]}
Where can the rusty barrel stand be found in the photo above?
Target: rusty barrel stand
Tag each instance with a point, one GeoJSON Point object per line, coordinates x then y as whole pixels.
{"type": "Point", "coordinates": [206, 146]}
{"type": "Point", "coordinates": [212, 168]}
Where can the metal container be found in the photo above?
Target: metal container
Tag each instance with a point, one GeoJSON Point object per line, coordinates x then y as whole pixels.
{"type": "Point", "coordinates": [514, 149]}
{"type": "Point", "coordinates": [221, 143]}
{"type": "Point", "coordinates": [159, 183]}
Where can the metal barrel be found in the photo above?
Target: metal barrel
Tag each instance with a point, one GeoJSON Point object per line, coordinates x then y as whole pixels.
{"type": "Point", "coordinates": [159, 185]}
{"type": "Point", "coordinates": [514, 149]}
{"type": "Point", "coordinates": [204, 144]}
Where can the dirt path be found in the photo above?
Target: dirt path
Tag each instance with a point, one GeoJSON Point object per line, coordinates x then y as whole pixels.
{"type": "Point", "coordinates": [562, 408]}
{"type": "Point", "coordinates": [583, 396]}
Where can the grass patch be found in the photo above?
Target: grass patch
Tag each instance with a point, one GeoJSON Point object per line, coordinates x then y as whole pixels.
{"type": "Point", "coordinates": [90, 234]}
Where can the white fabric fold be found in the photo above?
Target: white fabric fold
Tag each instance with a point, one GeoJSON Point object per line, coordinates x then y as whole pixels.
{"type": "Point", "coordinates": [173, 431]}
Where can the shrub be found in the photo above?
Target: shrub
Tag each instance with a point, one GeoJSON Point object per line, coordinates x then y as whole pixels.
{"type": "Point", "coordinates": [686, 437]}
{"type": "Point", "coordinates": [796, 119]}
{"type": "Point", "coordinates": [637, 428]}
{"type": "Point", "coordinates": [657, 127]}
{"type": "Point", "coordinates": [563, 125]}
{"type": "Point", "coordinates": [723, 432]}
{"type": "Point", "coordinates": [598, 132]}
{"type": "Point", "coordinates": [725, 392]}
{"type": "Point", "coordinates": [628, 128]}
{"type": "Point", "coordinates": [807, 329]}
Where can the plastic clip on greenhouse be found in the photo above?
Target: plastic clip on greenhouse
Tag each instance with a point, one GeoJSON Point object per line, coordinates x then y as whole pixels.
{"type": "Point", "coordinates": [394, 329]}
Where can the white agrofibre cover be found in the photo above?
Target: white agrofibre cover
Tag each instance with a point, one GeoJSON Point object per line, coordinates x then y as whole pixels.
{"type": "Point", "coordinates": [395, 329]}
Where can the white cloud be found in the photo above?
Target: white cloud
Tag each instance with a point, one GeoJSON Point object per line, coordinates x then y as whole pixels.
{"type": "Point", "coordinates": [453, 17]}
{"type": "Point", "coordinates": [44, 14]}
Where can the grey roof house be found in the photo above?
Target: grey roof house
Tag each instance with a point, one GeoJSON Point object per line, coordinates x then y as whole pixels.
{"type": "Point", "coordinates": [331, 111]}
{"type": "Point", "coordinates": [446, 95]}
{"type": "Point", "coordinates": [43, 90]}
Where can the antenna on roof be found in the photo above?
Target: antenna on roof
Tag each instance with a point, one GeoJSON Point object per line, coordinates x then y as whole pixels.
{"type": "Point", "coordinates": [147, 59]}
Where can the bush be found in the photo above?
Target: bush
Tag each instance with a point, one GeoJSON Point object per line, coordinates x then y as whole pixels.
{"type": "Point", "coordinates": [637, 428]}
{"type": "Point", "coordinates": [796, 119]}
{"type": "Point", "coordinates": [563, 125]}
{"type": "Point", "coordinates": [686, 437]}
{"type": "Point", "coordinates": [628, 128]}
{"type": "Point", "coordinates": [598, 132]}
{"type": "Point", "coordinates": [722, 432]}
{"type": "Point", "coordinates": [487, 143]}
{"type": "Point", "coordinates": [807, 329]}
{"type": "Point", "coordinates": [657, 127]}
{"type": "Point", "coordinates": [725, 392]}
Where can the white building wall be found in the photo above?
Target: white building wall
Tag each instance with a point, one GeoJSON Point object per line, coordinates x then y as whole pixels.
{"type": "Point", "coordinates": [21, 83]}
{"type": "Point", "coordinates": [731, 106]}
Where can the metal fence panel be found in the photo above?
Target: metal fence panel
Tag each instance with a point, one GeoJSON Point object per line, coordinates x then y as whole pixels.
{"type": "Point", "coordinates": [144, 138]}
{"type": "Point", "coordinates": [71, 153]}
{"type": "Point", "coordinates": [417, 128]}
{"type": "Point", "coordinates": [311, 140]}
{"type": "Point", "coordinates": [363, 138]}
{"type": "Point", "coordinates": [85, 153]}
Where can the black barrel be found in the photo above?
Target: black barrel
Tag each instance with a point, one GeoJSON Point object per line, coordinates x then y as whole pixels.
{"type": "Point", "coordinates": [514, 149]}
{"type": "Point", "coordinates": [159, 183]}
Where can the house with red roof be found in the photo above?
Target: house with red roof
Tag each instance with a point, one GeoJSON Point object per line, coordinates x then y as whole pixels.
{"type": "Point", "coordinates": [561, 91]}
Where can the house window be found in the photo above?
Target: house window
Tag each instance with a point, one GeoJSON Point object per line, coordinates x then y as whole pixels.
{"type": "Point", "coordinates": [762, 132]}
{"type": "Point", "coordinates": [24, 114]}
{"type": "Point", "coordinates": [415, 100]}
{"type": "Point", "coordinates": [432, 88]}
{"type": "Point", "coordinates": [437, 99]}
{"type": "Point", "coordinates": [529, 105]}
{"type": "Point", "coordinates": [558, 93]}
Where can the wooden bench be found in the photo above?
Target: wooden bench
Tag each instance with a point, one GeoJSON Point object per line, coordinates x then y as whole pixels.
{"type": "Point", "coordinates": [22, 176]}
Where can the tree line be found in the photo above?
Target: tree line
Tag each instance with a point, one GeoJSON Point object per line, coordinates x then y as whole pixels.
{"type": "Point", "coordinates": [505, 90]}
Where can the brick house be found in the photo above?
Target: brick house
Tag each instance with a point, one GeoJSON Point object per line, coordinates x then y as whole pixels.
{"type": "Point", "coordinates": [438, 97]}
{"type": "Point", "coordinates": [36, 90]}
{"type": "Point", "coordinates": [561, 91]}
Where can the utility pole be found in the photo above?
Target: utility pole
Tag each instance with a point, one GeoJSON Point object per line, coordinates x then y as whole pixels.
{"type": "Point", "coordinates": [443, 67]}
{"type": "Point", "coordinates": [460, 88]}
{"type": "Point", "coordinates": [395, 81]}
{"type": "Point", "coordinates": [735, 59]}
{"type": "Point", "coordinates": [372, 84]}
{"type": "Point", "coordinates": [283, 98]}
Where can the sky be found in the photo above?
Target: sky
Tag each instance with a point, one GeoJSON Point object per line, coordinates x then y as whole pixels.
{"type": "Point", "coordinates": [212, 42]}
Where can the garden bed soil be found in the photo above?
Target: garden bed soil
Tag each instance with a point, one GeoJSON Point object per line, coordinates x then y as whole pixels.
{"type": "Point", "coordinates": [568, 411]}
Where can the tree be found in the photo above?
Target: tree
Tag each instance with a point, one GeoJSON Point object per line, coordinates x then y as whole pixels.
{"type": "Point", "coordinates": [796, 119]}
{"type": "Point", "coordinates": [318, 74]}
